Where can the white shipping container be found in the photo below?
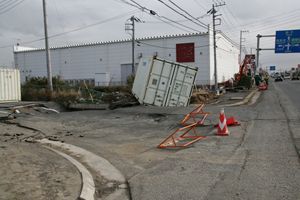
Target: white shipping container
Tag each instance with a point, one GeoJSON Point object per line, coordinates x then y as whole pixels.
{"type": "Point", "coordinates": [10, 85]}
{"type": "Point", "coordinates": [163, 83]}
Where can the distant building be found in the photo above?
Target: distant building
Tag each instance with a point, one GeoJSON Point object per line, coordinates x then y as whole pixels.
{"type": "Point", "coordinates": [109, 63]}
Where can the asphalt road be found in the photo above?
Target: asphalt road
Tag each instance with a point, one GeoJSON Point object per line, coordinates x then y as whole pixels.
{"type": "Point", "coordinates": [258, 160]}
{"type": "Point", "coordinates": [292, 90]}
{"type": "Point", "coordinates": [270, 169]}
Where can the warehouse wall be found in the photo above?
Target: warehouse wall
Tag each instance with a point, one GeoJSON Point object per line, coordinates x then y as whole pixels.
{"type": "Point", "coordinates": [227, 59]}
{"type": "Point", "coordinates": [104, 64]}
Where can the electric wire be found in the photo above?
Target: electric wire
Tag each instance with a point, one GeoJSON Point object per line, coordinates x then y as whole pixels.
{"type": "Point", "coordinates": [3, 7]}
{"type": "Point", "coordinates": [10, 7]}
{"type": "Point", "coordinates": [187, 13]}
{"type": "Point", "coordinates": [201, 25]}
{"type": "Point", "coordinates": [128, 3]}
{"type": "Point", "coordinates": [201, 6]}
{"type": "Point", "coordinates": [233, 15]}
{"type": "Point", "coordinates": [178, 27]}
{"type": "Point", "coordinates": [7, 3]}
{"type": "Point", "coordinates": [258, 23]}
{"type": "Point", "coordinates": [4, 2]}
{"type": "Point", "coordinates": [153, 13]}
{"type": "Point", "coordinates": [77, 29]}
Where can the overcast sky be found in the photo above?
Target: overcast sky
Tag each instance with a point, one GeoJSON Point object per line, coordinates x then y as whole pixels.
{"type": "Point", "coordinates": [21, 22]}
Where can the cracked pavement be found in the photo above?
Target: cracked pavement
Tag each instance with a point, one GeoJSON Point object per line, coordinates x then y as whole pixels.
{"type": "Point", "coordinates": [257, 161]}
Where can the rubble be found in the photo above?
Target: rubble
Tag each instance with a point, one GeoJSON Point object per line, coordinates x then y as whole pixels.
{"type": "Point", "coordinates": [203, 96]}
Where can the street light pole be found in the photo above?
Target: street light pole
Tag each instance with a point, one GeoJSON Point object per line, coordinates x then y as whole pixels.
{"type": "Point", "coordinates": [47, 50]}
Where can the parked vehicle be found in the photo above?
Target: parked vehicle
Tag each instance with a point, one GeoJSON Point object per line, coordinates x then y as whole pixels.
{"type": "Point", "coordinates": [295, 74]}
{"type": "Point", "coordinates": [278, 78]}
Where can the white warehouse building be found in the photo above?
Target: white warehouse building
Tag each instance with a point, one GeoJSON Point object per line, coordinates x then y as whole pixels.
{"type": "Point", "coordinates": [109, 63]}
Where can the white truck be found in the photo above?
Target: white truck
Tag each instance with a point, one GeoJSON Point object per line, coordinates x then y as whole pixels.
{"type": "Point", "coordinates": [163, 83]}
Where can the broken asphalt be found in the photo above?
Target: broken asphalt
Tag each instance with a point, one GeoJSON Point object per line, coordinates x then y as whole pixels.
{"type": "Point", "coordinates": [127, 138]}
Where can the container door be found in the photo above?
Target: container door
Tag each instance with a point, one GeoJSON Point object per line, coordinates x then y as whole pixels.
{"type": "Point", "coordinates": [10, 89]}
{"type": "Point", "coordinates": [159, 82]}
{"type": "Point", "coordinates": [141, 80]}
{"type": "Point", "coordinates": [182, 86]}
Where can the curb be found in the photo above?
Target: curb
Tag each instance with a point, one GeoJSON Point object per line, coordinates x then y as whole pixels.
{"type": "Point", "coordinates": [246, 99]}
{"type": "Point", "coordinates": [101, 166]}
{"type": "Point", "coordinates": [88, 185]}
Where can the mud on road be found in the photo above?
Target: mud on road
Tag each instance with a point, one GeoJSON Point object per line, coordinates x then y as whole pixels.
{"type": "Point", "coordinates": [29, 171]}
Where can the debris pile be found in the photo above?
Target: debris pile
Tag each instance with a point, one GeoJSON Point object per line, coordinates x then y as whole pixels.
{"type": "Point", "coordinates": [200, 96]}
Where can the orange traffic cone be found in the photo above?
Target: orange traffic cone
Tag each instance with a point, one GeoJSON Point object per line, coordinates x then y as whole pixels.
{"type": "Point", "coordinates": [222, 127]}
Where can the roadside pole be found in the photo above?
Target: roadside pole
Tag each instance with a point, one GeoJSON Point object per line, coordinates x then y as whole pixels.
{"type": "Point", "coordinates": [47, 50]}
{"type": "Point", "coordinates": [258, 49]}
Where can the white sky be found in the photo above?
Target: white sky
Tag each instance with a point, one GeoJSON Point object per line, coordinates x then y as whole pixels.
{"type": "Point", "coordinates": [24, 23]}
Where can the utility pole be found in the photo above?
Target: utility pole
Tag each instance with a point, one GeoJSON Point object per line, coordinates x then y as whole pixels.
{"type": "Point", "coordinates": [131, 27]}
{"type": "Point", "coordinates": [241, 41]}
{"type": "Point", "coordinates": [47, 50]}
{"type": "Point", "coordinates": [214, 16]}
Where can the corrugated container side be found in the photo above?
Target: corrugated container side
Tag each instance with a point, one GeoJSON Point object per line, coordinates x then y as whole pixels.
{"type": "Point", "coordinates": [10, 85]}
{"type": "Point", "coordinates": [142, 78]}
{"type": "Point", "coordinates": [163, 83]}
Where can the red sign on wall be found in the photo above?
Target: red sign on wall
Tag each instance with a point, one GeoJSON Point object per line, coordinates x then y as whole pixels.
{"type": "Point", "coordinates": [185, 52]}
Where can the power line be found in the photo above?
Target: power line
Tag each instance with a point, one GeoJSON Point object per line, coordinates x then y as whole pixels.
{"type": "Point", "coordinates": [4, 2]}
{"type": "Point", "coordinates": [233, 16]}
{"type": "Point", "coordinates": [178, 20]}
{"type": "Point", "coordinates": [201, 6]}
{"type": "Point", "coordinates": [10, 7]}
{"type": "Point", "coordinates": [226, 50]}
{"type": "Point", "coordinates": [179, 23]}
{"type": "Point", "coordinates": [76, 29]}
{"type": "Point", "coordinates": [287, 22]}
{"type": "Point", "coordinates": [258, 22]}
{"type": "Point", "coordinates": [188, 13]}
{"type": "Point", "coordinates": [201, 25]}
{"type": "Point", "coordinates": [153, 13]}
{"type": "Point", "coordinates": [8, 4]}
{"type": "Point", "coordinates": [172, 24]}
{"type": "Point", "coordinates": [126, 2]}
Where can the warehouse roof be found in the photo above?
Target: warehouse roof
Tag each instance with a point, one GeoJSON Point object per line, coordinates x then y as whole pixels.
{"type": "Point", "coordinates": [29, 49]}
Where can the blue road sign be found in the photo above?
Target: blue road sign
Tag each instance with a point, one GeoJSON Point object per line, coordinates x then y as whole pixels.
{"type": "Point", "coordinates": [272, 68]}
{"type": "Point", "coordinates": [287, 41]}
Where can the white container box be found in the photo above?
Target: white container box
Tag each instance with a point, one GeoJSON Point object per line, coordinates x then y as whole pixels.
{"type": "Point", "coordinates": [163, 83]}
{"type": "Point", "coordinates": [10, 85]}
